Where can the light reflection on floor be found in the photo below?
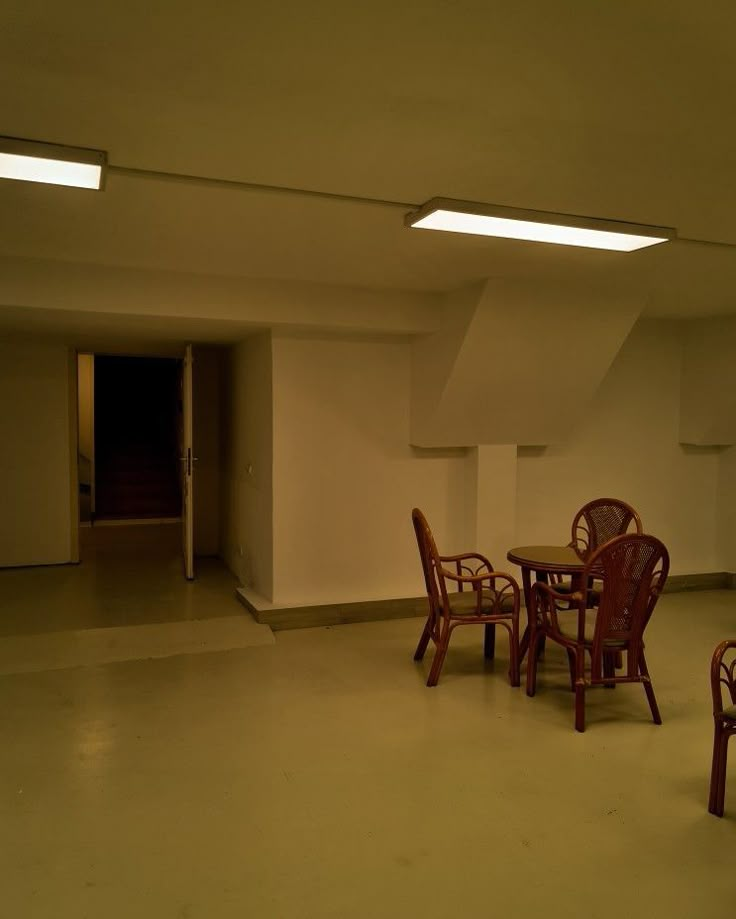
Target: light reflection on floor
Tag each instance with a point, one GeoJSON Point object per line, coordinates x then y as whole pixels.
{"type": "Point", "coordinates": [319, 777]}
{"type": "Point", "coordinates": [129, 575]}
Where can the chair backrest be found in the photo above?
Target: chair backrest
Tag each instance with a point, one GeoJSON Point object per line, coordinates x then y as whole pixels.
{"type": "Point", "coordinates": [723, 673]}
{"type": "Point", "coordinates": [633, 568]}
{"type": "Point", "coordinates": [430, 557]}
{"type": "Point", "coordinates": [599, 521]}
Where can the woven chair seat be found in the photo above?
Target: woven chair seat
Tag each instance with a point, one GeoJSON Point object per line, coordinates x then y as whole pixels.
{"type": "Point", "coordinates": [465, 603]}
{"type": "Point", "coordinates": [729, 713]}
{"type": "Point", "coordinates": [569, 627]}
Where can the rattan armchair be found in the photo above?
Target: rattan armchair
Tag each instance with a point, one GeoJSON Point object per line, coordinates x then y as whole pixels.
{"type": "Point", "coordinates": [596, 523]}
{"type": "Point", "coordinates": [633, 569]}
{"type": "Point", "coordinates": [599, 521]}
{"type": "Point", "coordinates": [477, 595]}
{"type": "Point", "coordinates": [722, 673]}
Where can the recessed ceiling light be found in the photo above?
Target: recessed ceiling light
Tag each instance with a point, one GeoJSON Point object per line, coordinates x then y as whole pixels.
{"type": "Point", "coordinates": [31, 161]}
{"type": "Point", "coordinates": [535, 226]}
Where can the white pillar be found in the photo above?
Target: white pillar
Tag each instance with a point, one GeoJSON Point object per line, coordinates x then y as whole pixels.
{"type": "Point", "coordinates": [726, 510]}
{"type": "Point", "coordinates": [490, 501]}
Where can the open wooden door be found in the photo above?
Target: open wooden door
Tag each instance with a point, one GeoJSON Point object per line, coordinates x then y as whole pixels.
{"type": "Point", "coordinates": [187, 462]}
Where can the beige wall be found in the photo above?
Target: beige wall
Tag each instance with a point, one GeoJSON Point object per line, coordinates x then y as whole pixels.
{"type": "Point", "coordinates": [727, 510]}
{"type": "Point", "coordinates": [708, 391]}
{"type": "Point", "coordinates": [35, 520]}
{"type": "Point", "coordinates": [627, 445]}
{"type": "Point", "coordinates": [247, 495]}
{"type": "Point", "coordinates": [155, 301]}
{"type": "Point", "coordinates": [512, 338]}
{"type": "Point", "coordinates": [345, 477]}
{"type": "Point", "coordinates": [490, 509]}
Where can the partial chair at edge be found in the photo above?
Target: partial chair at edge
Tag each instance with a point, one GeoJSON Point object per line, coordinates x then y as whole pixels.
{"type": "Point", "coordinates": [633, 569]}
{"type": "Point", "coordinates": [492, 599]}
{"type": "Point", "coordinates": [724, 720]}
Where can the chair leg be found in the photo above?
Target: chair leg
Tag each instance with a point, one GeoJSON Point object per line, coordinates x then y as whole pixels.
{"type": "Point", "coordinates": [531, 662]}
{"type": "Point", "coordinates": [580, 707]}
{"type": "Point", "coordinates": [439, 658]}
{"type": "Point", "coordinates": [423, 641]}
{"type": "Point", "coordinates": [609, 669]}
{"type": "Point", "coordinates": [718, 774]}
{"type": "Point", "coordinates": [715, 798]}
{"type": "Point", "coordinates": [514, 659]}
{"type": "Point", "coordinates": [723, 761]}
{"type": "Point", "coordinates": [489, 640]}
{"type": "Point", "coordinates": [580, 690]}
{"type": "Point", "coordinates": [649, 689]}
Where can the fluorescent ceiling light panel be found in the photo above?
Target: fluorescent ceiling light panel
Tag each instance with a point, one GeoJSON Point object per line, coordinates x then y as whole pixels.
{"type": "Point", "coordinates": [535, 226]}
{"type": "Point", "coordinates": [53, 164]}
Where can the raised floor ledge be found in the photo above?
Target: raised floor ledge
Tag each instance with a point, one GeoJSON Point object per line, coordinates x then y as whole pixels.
{"type": "Point", "coordinates": [280, 618]}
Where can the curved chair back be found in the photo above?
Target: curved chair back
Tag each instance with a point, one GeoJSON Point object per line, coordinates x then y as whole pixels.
{"type": "Point", "coordinates": [723, 674]}
{"type": "Point", "coordinates": [633, 568]}
{"type": "Point", "coordinates": [430, 557]}
{"type": "Point", "coordinates": [599, 521]}
{"type": "Point", "coordinates": [722, 677]}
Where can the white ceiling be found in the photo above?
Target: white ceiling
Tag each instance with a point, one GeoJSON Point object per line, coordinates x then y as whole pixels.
{"type": "Point", "coordinates": [619, 110]}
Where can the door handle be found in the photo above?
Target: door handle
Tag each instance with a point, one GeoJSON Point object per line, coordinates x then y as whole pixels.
{"type": "Point", "coordinates": [189, 460]}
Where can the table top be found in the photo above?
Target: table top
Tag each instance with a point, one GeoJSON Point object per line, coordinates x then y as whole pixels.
{"type": "Point", "coordinates": [561, 559]}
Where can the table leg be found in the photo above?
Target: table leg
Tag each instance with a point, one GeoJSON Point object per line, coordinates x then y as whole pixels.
{"type": "Point", "coordinates": [544, 578]}
{"type": "Point", "coordinates": [489, 640]}
{"type": "Point", "coordinates": [526, 581]}
{"type": "Point", "coordinates": [527, 585]}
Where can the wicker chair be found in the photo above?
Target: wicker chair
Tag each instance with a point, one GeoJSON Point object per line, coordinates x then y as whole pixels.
{"type": "Point", "coordinates": [599, 521]}
{"type": "Point", "coordinates": [633, 569]}
{"type": "Point", "coordinates": [596, 523]}
{"type": "Point", "coordinates": [479, 596]}
{"type": "Point", "coordinates": [722, 673]}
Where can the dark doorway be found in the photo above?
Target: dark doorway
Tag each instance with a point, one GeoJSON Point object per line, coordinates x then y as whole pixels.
{"type": "Point", "coordinates": [137, 411]}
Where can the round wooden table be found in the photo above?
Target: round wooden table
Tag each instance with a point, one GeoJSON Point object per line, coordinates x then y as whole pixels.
{"type": "Point", "coordinates": [544, 560]}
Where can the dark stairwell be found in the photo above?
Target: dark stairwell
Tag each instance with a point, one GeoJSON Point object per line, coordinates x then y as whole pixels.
{"type": "Point", "coordinates": [137, 418]}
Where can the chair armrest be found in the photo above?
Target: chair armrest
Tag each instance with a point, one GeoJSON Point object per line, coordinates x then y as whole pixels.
{"type": "Point", "coordinates": [544, 600]}
{"type": "Point", "coordinates": [467, 569]}
{"type": "Point", "coordinates": [466, 555]}
{"type": "Point", "coordinates": [478, 578]}
{"type": "Point", "coordinates": [476, 581]}
{"type": "Point", "coordinates": [576, 597]}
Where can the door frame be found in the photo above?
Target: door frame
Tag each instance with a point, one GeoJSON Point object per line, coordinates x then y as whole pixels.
{"type": "Point", "coordinates": [173, 352]}
{"type": "Point", "coordinates": [73, 414]}
{"type": "Point", "coordinates": [187, 460]}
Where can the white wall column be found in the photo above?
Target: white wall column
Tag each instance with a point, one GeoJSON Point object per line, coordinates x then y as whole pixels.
{"type": "Point", "coordinates": [37, 420]}
{"type": "Point", "coordinates": [490, 505]}
{"type": "Point", "coordinates": [726, 510]}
